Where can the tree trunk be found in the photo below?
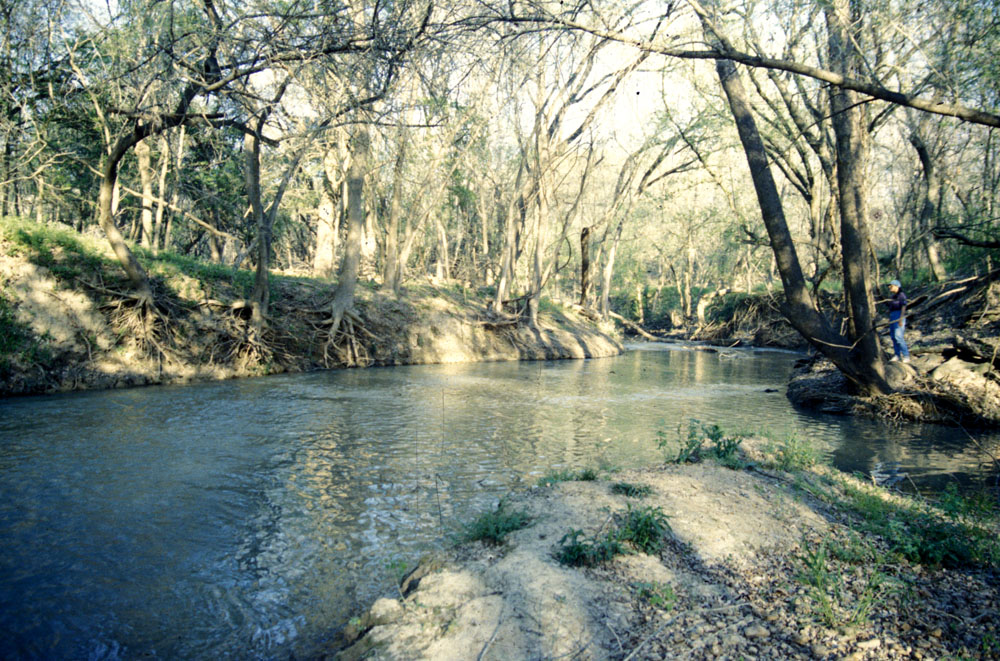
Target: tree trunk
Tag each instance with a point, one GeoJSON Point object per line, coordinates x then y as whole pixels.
{"type": "Point", "coordinates": [392, 272]}
{"type": "Point", "coordinates": [261, 296]}
{"type": "Point", "coordinates": [931, 205]}
{"type": "Point", "coordinates": [348, 277]}
{"type": "Point", "coordinates": [798, 307]}
{"type": "Point", "coordinates": [145, 165]}
{"type": "Point", "coordinates": [851, 157]}
{"type": "Point", "coordinates": [105, 217]}
{"type": "Point", "coordinates": [609, 269]}
{"type": "Point", "coordinates": [161, 182]}
{"type": "Point", "coordinates": [584, 265]}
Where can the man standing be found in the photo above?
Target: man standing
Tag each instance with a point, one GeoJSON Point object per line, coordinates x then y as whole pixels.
{"type": "Point", "coordinates": [897, 322]}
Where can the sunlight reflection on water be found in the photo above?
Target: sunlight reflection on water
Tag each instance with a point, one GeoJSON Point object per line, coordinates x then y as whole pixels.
{"type": "Point", "coordinates": [250, 518]}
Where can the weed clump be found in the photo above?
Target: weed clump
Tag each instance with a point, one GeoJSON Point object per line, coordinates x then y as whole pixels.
{"type": "Point", "coordinates": [832, 604]}
{"type": "Point", "coordinates": [566, 475]}
{"type": "Point", "coordinates": [493, 527]}
{"type": "Point", "coordinates": [724, 449]}
{"type": "Point", "coordinates": [631, 490]}
{"type": "Point", "coordinates": [644, 529]}
{"type": "Point", "coordinates": [656, 594]}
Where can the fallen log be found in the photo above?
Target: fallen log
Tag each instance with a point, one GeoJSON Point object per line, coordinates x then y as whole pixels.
{"type": "Point", "coordinates": [635, 327]}
{"type": "Point", "coordinates": [981, 349]}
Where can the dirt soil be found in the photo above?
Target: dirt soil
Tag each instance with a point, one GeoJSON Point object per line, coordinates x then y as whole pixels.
{"type": "Point", "coordinates": [83, 336]}
{"type": "Point", "coordinates": [724, 586]}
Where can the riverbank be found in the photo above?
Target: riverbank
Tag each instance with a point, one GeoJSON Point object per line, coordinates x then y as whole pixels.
{"type": "Point", "coordinates": [66, 324]}
{"type": "Point", "coordinates": [953, 332]}
{"type": "Point", "coordinates": [766, 557]}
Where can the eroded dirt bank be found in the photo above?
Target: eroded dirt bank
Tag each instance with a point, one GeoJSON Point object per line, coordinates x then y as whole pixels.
{"type": "Point", "coordinates": [759, 564]}
{"type": "Point", "coordinates": [81, 334]}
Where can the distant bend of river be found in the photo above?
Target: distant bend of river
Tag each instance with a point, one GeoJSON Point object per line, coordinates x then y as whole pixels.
{"type": "Point", "coordinates": [252, 518]}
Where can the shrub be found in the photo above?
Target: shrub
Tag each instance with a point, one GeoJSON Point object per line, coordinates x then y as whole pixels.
{"type": "Point", "coordinates": [493, 527]}
{"type": "Point", "coordinates": [646, 528]}
{"type": "Point", "coordinates": [576, 550]}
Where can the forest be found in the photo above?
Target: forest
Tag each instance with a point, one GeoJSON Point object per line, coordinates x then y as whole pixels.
{"type": "Point", "coordinates": [638, 159]}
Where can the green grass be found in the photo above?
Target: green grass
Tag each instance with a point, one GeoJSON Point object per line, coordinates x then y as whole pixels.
{"type": "Point", "coordinates": [923, 534]}
{"type": "Point", "coordinates": [953, 532]}
{"type": "Point", "coordinates": [62, 250]}
{"type": "Point", "coordinates": [830, 601]}
{"type": "Point", "coordinates": [493, 527]}
{"type": "Point", "coordinates": [644, 529]}
{"type": "Point", "coordinates": [692, 447]}
{"type": "Point", "coordinates": [567, 475]}
{"type": "Point", "coordinates": [631, 490]}
{"type": "Point", "coordinates": [656, 594]}
{"type": "Point", "coordinates": [576, 550]}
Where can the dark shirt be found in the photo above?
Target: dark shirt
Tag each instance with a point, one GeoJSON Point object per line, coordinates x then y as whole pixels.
{"type": "Point", "coordinates": [897, 301]}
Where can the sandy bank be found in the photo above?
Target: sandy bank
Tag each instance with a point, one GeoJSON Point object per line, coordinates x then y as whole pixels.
{"type": "Point", "coordinates": [760, 564]}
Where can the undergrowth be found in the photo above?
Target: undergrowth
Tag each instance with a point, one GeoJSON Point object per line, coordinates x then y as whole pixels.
{"type": "Point", "coordinates": [955, 531]}
{"type": "Point", "coordinates": [631, 490]}
{"type": "Point", "coordinates": [493, 527]}
{"type": "Point", "coordinates": [567, 475]}
{"type": "Point", "coordinates": [725, 449]}
{"type": "Point", "coordinates": [643, 529]}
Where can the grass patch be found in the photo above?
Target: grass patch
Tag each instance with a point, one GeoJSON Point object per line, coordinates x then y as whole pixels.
{"type": "Point", "coordinates": [631, 490]}
{"type": "Point", "coordinates": [794, 454]}
{"type": "Point", "coordinates": [168, 265]}
{"type": "Point", "coordinates": [576, 550]}
{"type": "Point", "coordinates": [692, 446]}
{"type": "Point", "coordinates": [955, 531]}
{"type": "Point", "coordinates": [493, 527]}
{"type": "Point", "coordinates": [951, 535]}
{"type": "Point", "coordinates": [644, 529]}
{"type": "Point", "coordinates": [831, 602]}
{"type": "Point", "coordinates": [64, 252]}
{"type": "Point", "coordinates": [566, 475]}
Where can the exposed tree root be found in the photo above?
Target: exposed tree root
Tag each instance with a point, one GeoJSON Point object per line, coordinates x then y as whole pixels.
{"type": "Point", "coordinates": [342, 346]}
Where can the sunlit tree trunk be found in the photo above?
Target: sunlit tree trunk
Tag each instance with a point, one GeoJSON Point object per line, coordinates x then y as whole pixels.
{"type": "Point", "coordinates": [391, 274]}
{"type": "Point", "coordinates": [930, 205]}
{"type": "Point", "coordinates": [347, 279]}
{"type": "Point", "coordinates": [145, 166]}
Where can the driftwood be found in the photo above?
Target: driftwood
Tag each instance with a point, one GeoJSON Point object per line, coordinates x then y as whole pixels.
{"type": "Point", "coordinates": [982, 350]}
{"type": "Point", "coordinates": [635, 327]}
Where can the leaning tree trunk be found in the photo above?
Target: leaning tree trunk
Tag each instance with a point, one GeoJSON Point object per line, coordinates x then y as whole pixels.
{"type": "Point", "coordinates": [799, 308]}
{"type": "Point", "coordinates": [930, 206]}
{"type": "Point", "coordinates": [849, 129]}
{"type": "Point", "coordinates": [105, 217]}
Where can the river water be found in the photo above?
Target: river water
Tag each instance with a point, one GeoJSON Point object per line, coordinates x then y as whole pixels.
{"type": "Point", "coordinates": [251, 519]}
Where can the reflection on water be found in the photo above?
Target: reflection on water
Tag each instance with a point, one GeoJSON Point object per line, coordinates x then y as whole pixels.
{"type": "Point", "coordinates": [250, 518]}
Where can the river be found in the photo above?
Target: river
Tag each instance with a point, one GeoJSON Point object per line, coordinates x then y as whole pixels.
{"type": "Point", "coordinates": [251, 519]}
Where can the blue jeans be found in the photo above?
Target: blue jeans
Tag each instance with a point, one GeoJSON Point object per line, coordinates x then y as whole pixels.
{"type": "Point", "coordinates": [896, 328]}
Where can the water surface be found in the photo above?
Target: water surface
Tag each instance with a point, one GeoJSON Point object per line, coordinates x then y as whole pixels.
{"type": "Point", "coordinates": [249, 519]}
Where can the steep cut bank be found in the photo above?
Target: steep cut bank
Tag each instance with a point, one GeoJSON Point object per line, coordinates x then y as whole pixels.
{"type": "Point", "coordinates": [66, 323]}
